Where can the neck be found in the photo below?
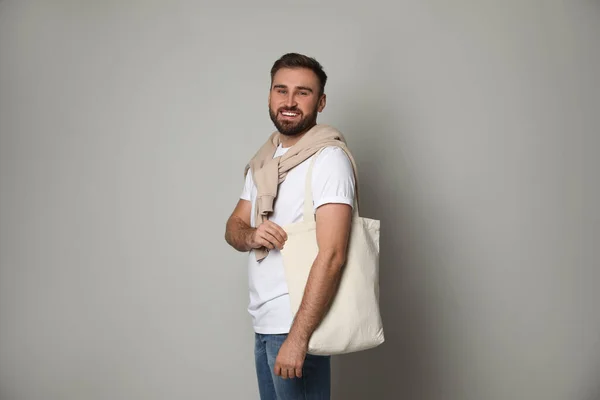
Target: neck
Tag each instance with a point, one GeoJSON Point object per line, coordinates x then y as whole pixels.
{"type": "Point", "coordinates": [289, 141]}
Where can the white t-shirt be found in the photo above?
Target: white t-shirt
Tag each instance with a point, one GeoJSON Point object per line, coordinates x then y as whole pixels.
{"type": "Point", "coordinates": [332, 182]}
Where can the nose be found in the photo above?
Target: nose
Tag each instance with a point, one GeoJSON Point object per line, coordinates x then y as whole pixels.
{"type": "Point", "coordinates": [290, 101]}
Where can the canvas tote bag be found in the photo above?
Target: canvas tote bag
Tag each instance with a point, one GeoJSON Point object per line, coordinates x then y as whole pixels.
{"type": "Point", "coordinates": [353, 321]}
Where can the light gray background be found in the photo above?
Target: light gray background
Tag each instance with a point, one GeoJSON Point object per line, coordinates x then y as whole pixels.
{"type": "Point", "coordinates": [125, 127]}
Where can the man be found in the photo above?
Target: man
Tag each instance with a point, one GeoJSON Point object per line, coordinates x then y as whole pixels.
{"type": "Point", "coordinates": [284, 369]}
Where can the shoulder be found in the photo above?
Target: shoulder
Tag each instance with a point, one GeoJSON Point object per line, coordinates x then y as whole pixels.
{"type": "Point", "coordinates": [332, 155]}
{"type": "Point", "coordinates": [333, 178]}
{"type": "Point", "coordinates": [333, 162]}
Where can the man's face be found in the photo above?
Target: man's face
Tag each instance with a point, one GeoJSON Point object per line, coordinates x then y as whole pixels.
{"type": "Point", "coordinates": [294, 100]}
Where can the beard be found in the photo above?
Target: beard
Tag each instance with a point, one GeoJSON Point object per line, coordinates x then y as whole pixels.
{"type": "Point", "coordinates": [293, 128]}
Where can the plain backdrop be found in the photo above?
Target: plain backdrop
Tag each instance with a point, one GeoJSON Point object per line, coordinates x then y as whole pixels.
{"type": "Point", "coordinates": [124, 130]}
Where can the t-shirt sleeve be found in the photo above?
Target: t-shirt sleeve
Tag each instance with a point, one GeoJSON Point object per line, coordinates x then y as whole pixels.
{"type": "Point", "coordinates": [247, 191]}
{"type": "Point", "coordinates": [333, 178]}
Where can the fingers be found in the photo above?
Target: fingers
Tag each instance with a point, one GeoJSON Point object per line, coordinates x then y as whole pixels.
{"type": "Point", "coordinates": [276, 231]}
{"type": "Point", "coordinates": [264, 243]}
{"type": "Point", "coordinates": [290, 360]}
{"type": "Point", "coordinates": [280, 370]}
{"type": "Point", "coordinates": [268, 241]}
{"type": "Point", "coordinates": [270, 235]}
{"type": "Point", "coordinates": [286, 372]}
{"type": "Point", "coordinates": [274, 240]}
{"type": "Point", "coordinates": [291, 373]}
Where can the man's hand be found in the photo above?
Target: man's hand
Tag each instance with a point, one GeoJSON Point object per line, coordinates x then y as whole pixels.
{"type": "Point", "coordinates": [242, 237]}
{"type": "Point", "coordinates": [290, 358]}
{"type": "Point", "coordinates": [269, 235]}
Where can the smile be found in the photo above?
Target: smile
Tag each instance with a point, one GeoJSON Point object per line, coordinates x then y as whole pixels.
{"type": "Point", "coordinates": [289, 114]}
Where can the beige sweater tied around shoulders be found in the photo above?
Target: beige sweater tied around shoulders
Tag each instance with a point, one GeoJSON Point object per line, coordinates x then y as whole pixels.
{"type": "Point", "coordinates": [269, 172]}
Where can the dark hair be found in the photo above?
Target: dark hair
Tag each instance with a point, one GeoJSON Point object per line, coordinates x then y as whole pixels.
{"type": "Point", "coordinates": [295, 60]}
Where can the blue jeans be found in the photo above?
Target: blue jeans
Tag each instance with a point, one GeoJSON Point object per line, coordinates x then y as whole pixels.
{"type": "Point", "coordinates": [315, 383]}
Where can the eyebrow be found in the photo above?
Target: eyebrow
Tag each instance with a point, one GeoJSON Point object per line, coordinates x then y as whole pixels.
{"type": "Point", "coordinates": [280, 86]}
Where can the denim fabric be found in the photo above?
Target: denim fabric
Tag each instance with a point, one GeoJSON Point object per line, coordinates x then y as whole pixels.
{"type": "Point", "coordinates": [315, 383]}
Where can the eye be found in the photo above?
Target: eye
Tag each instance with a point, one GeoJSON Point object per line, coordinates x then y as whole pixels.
{"type": "Point", "coordinates": [282, 91]}
{"type": "Point", "coordinates": [303, 93]}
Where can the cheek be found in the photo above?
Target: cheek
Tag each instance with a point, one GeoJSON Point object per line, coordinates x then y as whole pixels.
{"type": "Point", "coordinates": [273, 104]}
{"type": "Point", "coordinates": [276, 102]}
{"type": "Point", "coordinates": [308, 105]}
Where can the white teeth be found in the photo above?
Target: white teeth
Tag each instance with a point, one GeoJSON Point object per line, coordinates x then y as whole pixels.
{"type": "Point", "coordinates": [287, 114]}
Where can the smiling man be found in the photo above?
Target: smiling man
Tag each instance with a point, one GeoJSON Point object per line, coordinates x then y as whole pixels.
{"type": "Point", "coordinates": [273, 197]}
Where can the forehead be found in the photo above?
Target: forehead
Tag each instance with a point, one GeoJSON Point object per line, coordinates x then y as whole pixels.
{"type": "Point", "coordinates": [293, 77]}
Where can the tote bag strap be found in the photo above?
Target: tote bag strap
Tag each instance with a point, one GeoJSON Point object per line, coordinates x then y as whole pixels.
{"type": "Point", "coordinates": [309, 210]}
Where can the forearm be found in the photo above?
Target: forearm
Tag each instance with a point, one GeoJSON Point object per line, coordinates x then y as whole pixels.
{"type": "Point", "coordinates": [320, 290]}
{"type": "Point", "coordinates": [238, 234]}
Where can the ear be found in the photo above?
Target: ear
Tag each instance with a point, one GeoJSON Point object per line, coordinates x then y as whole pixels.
{"type": "Point", "coordinates": [322, 102]}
